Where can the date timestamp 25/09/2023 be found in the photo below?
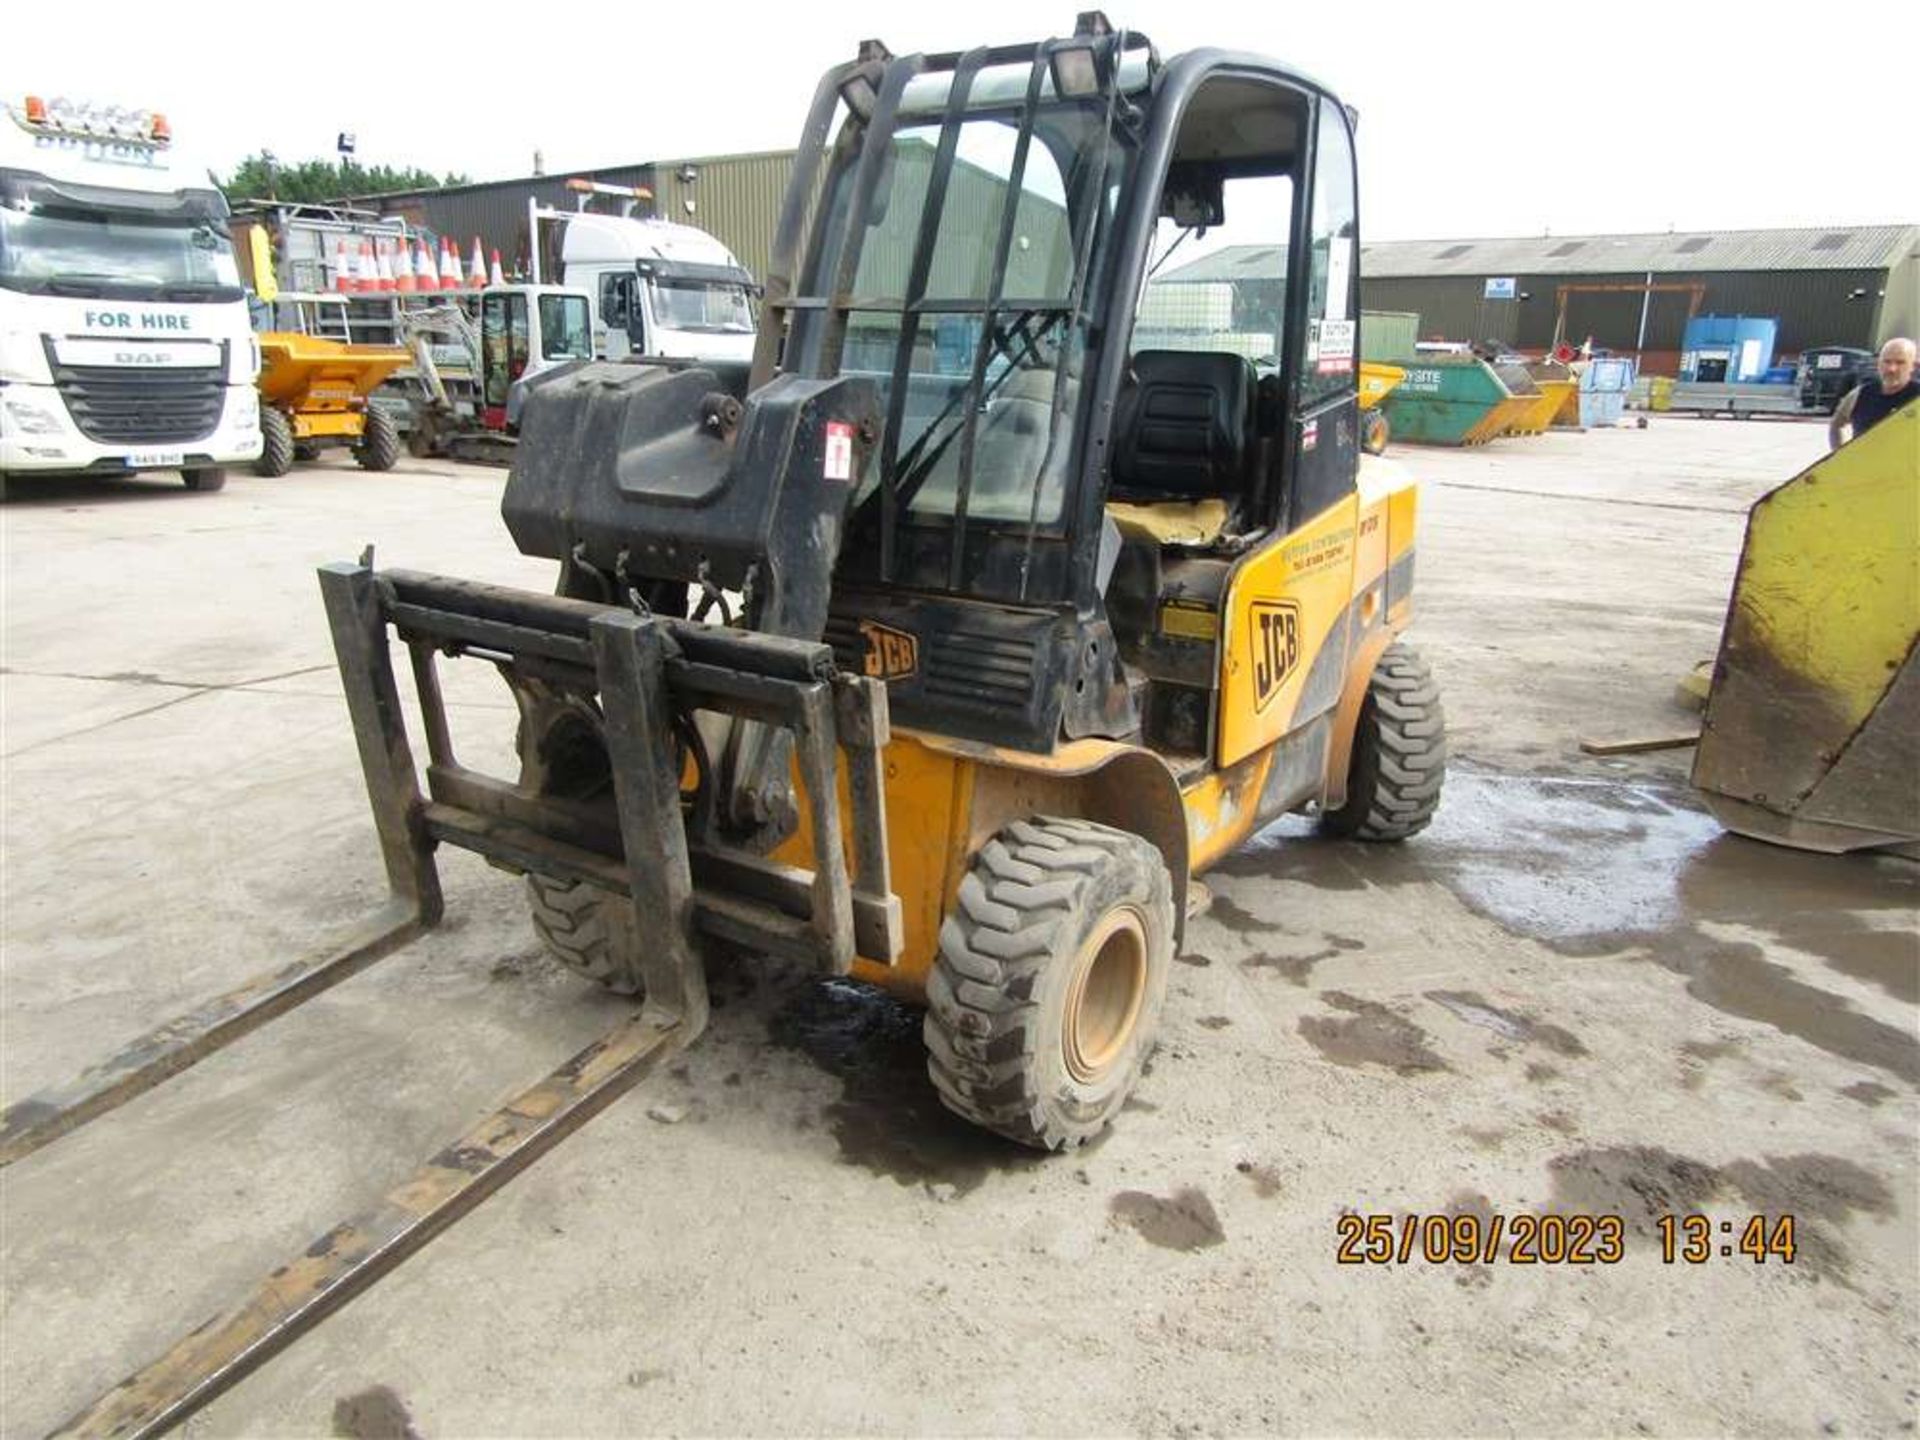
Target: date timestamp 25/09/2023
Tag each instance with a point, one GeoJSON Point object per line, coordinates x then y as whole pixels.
{"type": "Point", "coordinates": [1526, 1239]}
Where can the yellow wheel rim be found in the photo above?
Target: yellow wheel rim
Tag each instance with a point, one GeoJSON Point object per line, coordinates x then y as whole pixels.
{"type": "Point", "coordinates": [1104, 997]}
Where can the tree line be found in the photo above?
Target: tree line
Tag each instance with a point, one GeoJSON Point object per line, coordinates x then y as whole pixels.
{"type": "Point", "coordinates": [262, 176]}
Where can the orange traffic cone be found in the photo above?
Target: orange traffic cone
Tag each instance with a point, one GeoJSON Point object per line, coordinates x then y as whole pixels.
{"type": "Point", "coordinates": [494, 276]}
{"type": "Point", "coordinates": [477, 269]}
{"type": "Point", "coordinates": [385, 262]}
{"type": "Point", "coordinates": [402, 269]}
{"type": "Point", "coordinates": [342, 273]}
{"type": "Point", "coordinates": [450, 276]}
{"type": "Point", "coordinates": [369, 275]}
{"type": "Point", "coordinates": [425, 276]}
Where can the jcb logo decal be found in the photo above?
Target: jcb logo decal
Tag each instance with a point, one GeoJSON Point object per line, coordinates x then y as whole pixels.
{"type": "Point", "coordinates": [891, 654]}
{"type": "Point", "coordinates": [1276, 647]}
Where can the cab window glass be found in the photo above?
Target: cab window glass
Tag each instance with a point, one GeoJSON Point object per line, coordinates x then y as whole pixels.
{"type": "Point", "coordinates": [1222, 287]}
{"type": "Point", "coordinates": [1332, 311]}
{"type": "Point", "coordinates": [565, 333]}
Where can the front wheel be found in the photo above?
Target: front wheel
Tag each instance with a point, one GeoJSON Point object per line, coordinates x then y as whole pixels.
{"type": "Point", "coordinates": [379, 447]}
{"type": "Point", "coordinates": [205, 478]}
{"type": "Point", "coordinates": [1373, 432]}
{"type": "Point", "coordinates": [277, 450]}
{"type": "Point", "coordinates": [589, 930]}
{"type": "Point", "coordinates": [1399, 753]}
{"type": "Point", "coordinates": [1046, 993]}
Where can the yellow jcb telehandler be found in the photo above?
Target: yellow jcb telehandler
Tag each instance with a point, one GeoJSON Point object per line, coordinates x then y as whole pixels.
{"type": "Point", "coordinates": [943, 645]}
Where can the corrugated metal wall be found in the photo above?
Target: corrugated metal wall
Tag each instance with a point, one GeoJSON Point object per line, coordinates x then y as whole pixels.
{"type": "Point", "coordinates": [735, 198]}
{"type": "Point", "coordinates": [1814, 307]}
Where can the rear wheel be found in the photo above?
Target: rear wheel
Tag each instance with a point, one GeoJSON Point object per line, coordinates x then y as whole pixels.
{"type": "Point", "coordinates": [1373, 432]}
{"type": "Point", "coordinates": [205, 478]}
{"type": "Point", "coordinates": [379, 446]}
{"type": "Point", "coordinates": [1044, 998]}
{"type": "Point", "coordinates": [1399, 753]}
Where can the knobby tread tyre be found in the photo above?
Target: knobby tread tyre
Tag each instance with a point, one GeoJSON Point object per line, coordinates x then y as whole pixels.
{"type": "Point", "coordinates": [588, 930]}
{"type": "Point", "coordinates": [379, 447]}
{"type": "Point", "coordinates": [1399, 753]}
{"type": "Point", "coordinates": [997, 993]}
{"type": "Point", "coordinates": [276, 444]}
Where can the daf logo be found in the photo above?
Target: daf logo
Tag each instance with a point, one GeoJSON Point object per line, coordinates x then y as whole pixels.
{"type": "Point", "coordinates": [891, 654]}
{"type": "Point", "coordinates": [1276, 647]}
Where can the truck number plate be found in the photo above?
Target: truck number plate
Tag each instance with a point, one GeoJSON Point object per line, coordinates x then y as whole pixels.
{"type": "Point", "coordinates": [155, 459]}
{"type": "Point", "coordinates": [1827, 362]}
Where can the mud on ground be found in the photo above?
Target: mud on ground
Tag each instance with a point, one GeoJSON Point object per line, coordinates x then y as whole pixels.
{"type": "Point", "coordinates": [1574, 995]}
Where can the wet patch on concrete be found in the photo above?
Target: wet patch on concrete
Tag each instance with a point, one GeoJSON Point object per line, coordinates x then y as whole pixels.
{"type": "Point", "coordinates": [1559, 1121]}
{"type": "Point", "coordinates": [1371, 1035]}
{"type": "Point", "coordinates": [1887, 959]}
{"type": "Point", "coordinates": [1213, 1022]}
{"type": "Point", "coordinates": [1293, 968]}
{"type": "Point", "coordinates": [1290, 850]}
{"type": "Point", "coordinates": [1640, 1183]}
{"type": "Point", "coordinates": [889, 1119]}
{"type": "Point", "coordinates": [1484, 1138]}
{"type": "Point", "coordinates": [1236, 919]}
{"type": "Point", "coordinates": [1739, 980]}
{"type": "Point", "coordinates": [1539, 1073]}
{"type": "Point", "coordinates": [1264, 1178]}
{"type": "Point", "coordinates": [375, 1414]}
{"type": "Point", "coordinates": [1475, 1009]}
{"type": "Point", "coordinates": [1868, 1092]}
{"type": "Point", "coordinates": [1185, 1220]}
{"type": "Point", "coordinates": [1592, 868]}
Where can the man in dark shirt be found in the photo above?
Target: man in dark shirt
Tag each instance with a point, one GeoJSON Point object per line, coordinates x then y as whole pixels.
{"type": "Point", "coordinates": [1867, 405]}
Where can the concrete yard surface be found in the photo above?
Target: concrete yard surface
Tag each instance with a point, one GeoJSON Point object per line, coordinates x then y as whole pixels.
{"type": "Point", "coordinates": [1573, 996]}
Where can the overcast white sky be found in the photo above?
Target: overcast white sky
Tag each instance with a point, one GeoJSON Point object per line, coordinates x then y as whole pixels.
{"type": "Point", "coordinates": [1476, 118]}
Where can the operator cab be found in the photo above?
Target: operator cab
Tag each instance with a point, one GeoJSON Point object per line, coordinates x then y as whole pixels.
{"type": "Point", "coordinates": [1065, 269]}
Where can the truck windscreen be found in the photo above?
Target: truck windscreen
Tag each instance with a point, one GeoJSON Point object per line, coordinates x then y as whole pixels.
{"type": "Point", "coordinates": [712, 308]}
{"type": "Point", "coordinates": [77, 252]}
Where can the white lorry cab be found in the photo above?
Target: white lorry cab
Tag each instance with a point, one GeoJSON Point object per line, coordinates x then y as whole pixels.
{"type": "Point", "coordinates": [657, 288]}
{"type": "Point", "coordinates": [124, 336]}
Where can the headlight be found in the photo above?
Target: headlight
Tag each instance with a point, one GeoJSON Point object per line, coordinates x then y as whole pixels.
{"type": "Point", "coordinates": [32, 418]}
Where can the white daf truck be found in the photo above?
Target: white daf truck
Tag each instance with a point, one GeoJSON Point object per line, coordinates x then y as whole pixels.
{"type": "Point", "coordinates": [657, 288]}
{"type": "Point", "coordinates": [124, 339]}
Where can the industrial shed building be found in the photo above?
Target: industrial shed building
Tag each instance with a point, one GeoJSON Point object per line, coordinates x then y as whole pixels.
{"type": "Point", "coordinates": [1632, 294]}
{"type": "Point", "coordinates": [734, 197]}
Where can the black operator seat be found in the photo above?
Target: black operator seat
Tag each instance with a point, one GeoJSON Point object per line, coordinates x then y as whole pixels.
{"type": "Point", "coordinates": [1184, 427]}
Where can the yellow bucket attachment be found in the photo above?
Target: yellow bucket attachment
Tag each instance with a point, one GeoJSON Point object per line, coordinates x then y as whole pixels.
{"type": "Point", "coordinates": [1812, 730]}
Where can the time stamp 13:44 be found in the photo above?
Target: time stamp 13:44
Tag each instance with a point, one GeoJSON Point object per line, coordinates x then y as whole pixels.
{"type": "Point", "coordinates": [1528, 1239]}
